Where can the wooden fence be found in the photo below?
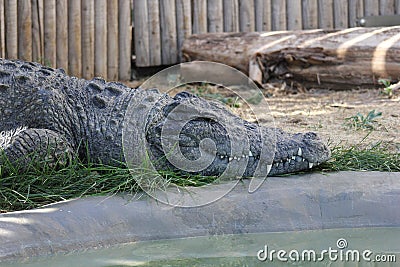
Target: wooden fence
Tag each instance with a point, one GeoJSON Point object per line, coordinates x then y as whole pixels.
{"type": "Point", "coordinates": [94, 37]}
{"type": "Point", "coordinates": [87, 38]}
{"type": "Point", "coordinates": [160, 31]}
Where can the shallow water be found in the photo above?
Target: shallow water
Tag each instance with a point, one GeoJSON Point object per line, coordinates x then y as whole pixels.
{"type": "Point", "coordinates": [242, 250]}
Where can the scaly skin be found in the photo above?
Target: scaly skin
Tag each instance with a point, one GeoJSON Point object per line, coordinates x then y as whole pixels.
{"type": "Point", "coordinates": [46, 115]}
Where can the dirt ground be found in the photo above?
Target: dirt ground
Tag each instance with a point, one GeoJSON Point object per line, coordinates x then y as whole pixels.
{"type": "Point", "coordinates": [325, 112]}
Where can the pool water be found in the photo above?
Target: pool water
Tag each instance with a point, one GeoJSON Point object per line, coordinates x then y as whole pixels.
{"type": "Point", "coordinates": [244, 250]}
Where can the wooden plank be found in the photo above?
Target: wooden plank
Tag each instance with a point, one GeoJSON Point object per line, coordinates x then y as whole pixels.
{"type": "Point", "coordinates": [215, 18]}
{"type": "Point", "coordinates": [24, 30]}
{"type": "Point", "coordinates": [169, 49]}
{"type": "Point", "coordinates": [88, 48]}
{"type": "Point", "coordinates": [125, 39]}
{"type": "Point", "coordinates": [142, 43]}
{"type": "Point", "coordinates": [267, 15]}
{"type": "Point", "coordinates": [371, 7]}
{"type": "Point", "coordinates": [341, 14]}
{"type": "Point", "coordinates": [278, 15]}
{"type": "Point", "coordinates": [294, 15]}
{"type": "Point", "coordinates": [2, 30]}
{"type": "Point", "coordinates": [325, 12]}
{"type": "Point", "coordinates": [199, 16]}
{"type": "Point", "coordinates": [74, 38]}
{"type": "Point", "coordinates": [50, 32]}
{"type": "Point", "coordinates": [10, 13]}
{"type": "Point", "coordinates": [154, 33]}
{"type": "Point", "coordinates": [356, 11]}
{"type": "Point", "coordinates": [100, 35]}
{"type": "Point", "coordinates": [310, 14]}
{"type": "Point", "coordinates": [258, 14]}
{"type": "Point", "coordinates": [37, 41]}
{"type": "Point", "coordinates": [142, 30]}
{"type": "Point", "coordinates": [231, 15]}
{"type": "Point", "coordinates": [386, 7]}
{"type": "Point", "coordinates": [112, 40]}
{"type": "Point", "coordinates": [62, 34]}
{"type": "Point", "coordinates": [397, 7]}
{"type": "Point", "coordinates": [247, 16]}
{"type": "Point", "coordinates": [183, 23]}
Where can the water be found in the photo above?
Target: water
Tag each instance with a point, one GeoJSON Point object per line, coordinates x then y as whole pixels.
{"type": "Point", "coordinates": [242, 250]}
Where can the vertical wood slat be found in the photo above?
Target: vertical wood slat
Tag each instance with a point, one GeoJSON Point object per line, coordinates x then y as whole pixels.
{"type": "Point", "coordinates": [371, 7]}
{"type": "Point", "coordinates": [231, 15]}
{"type": "Point", "coordinates": [125, 37]}
{"type": "Point", "coordinates": [154, 32]}
{"type": "Point", "coordinates": [2, 30]}
{"type": "Point", "coordinates": [49, 9]}
{"type": "Point", "coordinates": [259, 13]}
{"type": "Point", "coordinates": [62, 34]}
{"type": "Point", "coordinates": [74, 38]}
{"type": "Point", "coordinates": [100, 35]}
{"type": "Point", "coordinates": [247, 15]}
{"type": "Point", "coordinates": [10, 13]}
{"type": "Point", "coordinates": [278, 15]}
{"type": "Point", "coordinates": [356, 11]}
{"type": "Point", "coordinates": [267, 15]}
{"type": "Point", "coordinates": [215, 17]}
{"type": "Point", "coordinates": [88, 31]}
{"type": "Point", "coordinates": [141, 34]}
{"type": "Point", "coordinates": [325, 14]}
{"type": "Point", "coordinates": [310, 14]}
{"type": "Point", "coordinates": [24, 30]}
{"type": "Point", "coordinates": [386, 7]}
{"type": "Point", "coordinates": [169, 49]}
{"type": "Point", "coordinates": [183, 23]}
{"type": "Point", "coordinates": [341, 13]}
{"type": "Point", "coordinates": [199, 16]}
{"type": "Point", "coordinates": [112, 40]}
{"type": "Point", "coordinates": [294, 15]}
{"type": "Point", "coordinates": [397, 4]}
{"type": "Point", "coordinates": [37, 41]}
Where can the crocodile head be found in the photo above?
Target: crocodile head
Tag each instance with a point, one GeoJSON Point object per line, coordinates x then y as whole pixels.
{"type": "Point", "coordinates": [196, 136]}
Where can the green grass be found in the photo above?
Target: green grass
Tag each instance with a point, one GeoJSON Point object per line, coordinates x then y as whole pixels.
{"type": "Point", "coordinates": [360, 121]}
{"type": "Point", "coordinates": [357, 158]}
{"type": "Point", "coordinates": [36, 187]}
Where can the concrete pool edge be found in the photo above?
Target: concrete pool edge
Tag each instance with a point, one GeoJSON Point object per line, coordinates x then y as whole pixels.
{"type": "Point", "coordinates": [299, 202]}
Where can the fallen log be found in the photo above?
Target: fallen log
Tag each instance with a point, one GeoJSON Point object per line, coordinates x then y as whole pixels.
{"type": "Point", "coordinates": [334, 59]}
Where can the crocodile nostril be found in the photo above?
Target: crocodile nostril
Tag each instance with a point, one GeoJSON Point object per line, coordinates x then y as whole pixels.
{"type": "Point", "coordinates": [310, 135]}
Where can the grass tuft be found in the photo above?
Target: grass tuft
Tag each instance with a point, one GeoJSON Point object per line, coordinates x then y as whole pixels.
{"type": "Point", "coordinates": [40, 186]}
{"type": "Point", "coordinates": [358, 158]}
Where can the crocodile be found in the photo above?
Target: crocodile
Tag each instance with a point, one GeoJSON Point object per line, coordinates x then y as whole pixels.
{"type": "Point", "coordinates": [49, 117]}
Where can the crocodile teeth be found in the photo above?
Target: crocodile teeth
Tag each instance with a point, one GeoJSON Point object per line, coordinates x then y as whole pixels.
{"type": "Point", "coordinates": [250, 154]}
{"type": "Point", "coordinates": [269, 167]}
{"type": "Point", "coordinates": [300, 152]}
{"type": "Point", "coordinates": [303, 160]}
{"type": "Point", "coordinates": [234, 157]}
{"type": "Point", "coordinates": [293, 157]}
{"type": "Point", "coordinates": [310, 165]}
{"type": "Point", "coordinates": [221, 157]}
{"type": "Point", "coordinates": [289, 160]}
{"type": "Point", "coordinates": [230, 159]}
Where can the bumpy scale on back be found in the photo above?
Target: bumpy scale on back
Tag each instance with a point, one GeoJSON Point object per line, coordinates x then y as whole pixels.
{"type": "Point", "coordinates": [47, 116]}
